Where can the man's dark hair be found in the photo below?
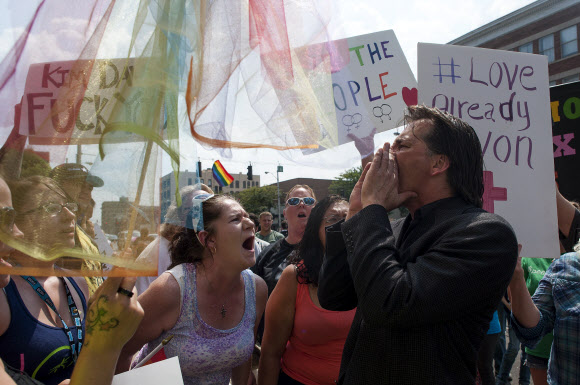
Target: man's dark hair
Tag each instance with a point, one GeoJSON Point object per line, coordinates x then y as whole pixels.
{"type": "Point", "coordinates": [452, 137]}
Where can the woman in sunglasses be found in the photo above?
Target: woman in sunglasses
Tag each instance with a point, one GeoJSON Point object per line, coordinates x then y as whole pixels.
{"type": "Point", "coordinates": [271, 262]}
{"type": "Point", "coordinates": [208, 300]}
{"type": "Point", "coordinates": [42, 318]}
{"type": "Point", "coordinates": [303, 342]}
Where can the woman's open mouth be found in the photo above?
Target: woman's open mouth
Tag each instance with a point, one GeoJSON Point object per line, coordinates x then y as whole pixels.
{"type": "Point", "coordinates": [249, 243]}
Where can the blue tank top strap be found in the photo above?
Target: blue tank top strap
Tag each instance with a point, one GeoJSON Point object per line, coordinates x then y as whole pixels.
{"type": "Point", "coordinates": [13, 296]}
{"type": "Point", "coordinates": [16, 300]}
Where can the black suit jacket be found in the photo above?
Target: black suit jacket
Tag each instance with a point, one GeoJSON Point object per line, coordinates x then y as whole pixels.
{"type": "Point", "coordinates": [425, 289]}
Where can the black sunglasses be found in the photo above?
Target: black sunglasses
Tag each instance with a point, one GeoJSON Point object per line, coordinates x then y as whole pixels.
{"type": "Point", "coordinates": [7, 215]}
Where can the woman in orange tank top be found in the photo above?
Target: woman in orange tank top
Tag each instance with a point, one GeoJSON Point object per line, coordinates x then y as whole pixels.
{"type": "Point", "coordinates": [303, 342]}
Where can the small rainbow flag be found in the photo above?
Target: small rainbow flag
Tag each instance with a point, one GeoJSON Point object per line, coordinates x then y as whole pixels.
{"type": "Point", "coordinates": [222, 177]}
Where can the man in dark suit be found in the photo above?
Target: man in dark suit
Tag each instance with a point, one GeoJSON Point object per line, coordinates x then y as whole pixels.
{"type": "Point", "coordinates": [426, 286]}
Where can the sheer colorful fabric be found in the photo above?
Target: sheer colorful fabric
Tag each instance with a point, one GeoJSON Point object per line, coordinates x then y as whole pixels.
{"type": "Point", "coordinates": [109, 89]}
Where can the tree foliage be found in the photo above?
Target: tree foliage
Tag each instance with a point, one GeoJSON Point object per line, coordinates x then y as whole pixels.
{"type": "Point", "coordinates": [258, 199]}
{"type": "Point", "coordinates": [345, 182]}
{"type": "Point", "coordinates": [33, 164]}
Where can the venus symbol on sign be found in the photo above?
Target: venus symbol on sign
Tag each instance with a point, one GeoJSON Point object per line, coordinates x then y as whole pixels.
{"type": "Point", "coordinates": [351, 120]}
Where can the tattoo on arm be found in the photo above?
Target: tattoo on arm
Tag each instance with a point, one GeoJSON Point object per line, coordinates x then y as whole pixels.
{"type": "Point", "coordinates": [97, 318]}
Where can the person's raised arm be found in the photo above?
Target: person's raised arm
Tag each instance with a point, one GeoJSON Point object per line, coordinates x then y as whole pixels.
{"type": "Point", "coordinates": [534, 320]}
{"type": "Point", "coordinates": [365, 146]}
{"type": "Point", "coordinates": [279, 322]}
{"type": "Point", "coordinates": [566, 213]}
{"type": "Point", "coordinates": [161, 303]}
{"type": "Point", "coordinates": [113, 316]}
{"type": "Point", "coordinates": [523, 308]}
{"type": "Point", "coordinates": [568, 221]}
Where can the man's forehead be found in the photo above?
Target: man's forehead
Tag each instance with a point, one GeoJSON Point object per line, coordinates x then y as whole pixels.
{"type": "Point", "coordinates": [416, 129]}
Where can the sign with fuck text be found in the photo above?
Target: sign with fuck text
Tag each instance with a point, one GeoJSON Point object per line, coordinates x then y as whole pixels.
{"type": "Point", "coordinates": [71, 102]}
{"type": "Point", "coordinates": [504, 96]}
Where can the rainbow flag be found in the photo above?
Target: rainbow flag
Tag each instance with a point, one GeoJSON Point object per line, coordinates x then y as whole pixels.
{"type": "Point", "coordinates": [222, 177]}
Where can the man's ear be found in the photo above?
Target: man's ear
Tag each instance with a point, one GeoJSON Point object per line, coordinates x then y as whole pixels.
{"type": "Point", "coordinates": [439, 164]}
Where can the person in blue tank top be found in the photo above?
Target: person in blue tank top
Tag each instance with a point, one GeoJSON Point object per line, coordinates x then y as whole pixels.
{"type": "Point", "coordinates": [41, 318]}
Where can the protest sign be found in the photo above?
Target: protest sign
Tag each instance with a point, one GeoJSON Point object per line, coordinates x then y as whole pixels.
{"type": "Point", "coordinates": [166, 372]}
{"type": "Point", "coordinates": [504, 96]}
{"type": "Point", "coordinates": [71, 102]}
{"type": "Point", "coordinates": [565, 108]}
{"type": "Point", "coordinates": [372, 84]}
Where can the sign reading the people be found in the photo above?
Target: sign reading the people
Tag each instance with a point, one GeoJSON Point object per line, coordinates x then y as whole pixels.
{"type": "Point", "coordinates": [85, 94]}
{"type": "Point", "coordinates": [565, 107]}
{"type": "Point", "coordinates": [504, 96]}
{"type": "Point", "coordinates": [372, 85]}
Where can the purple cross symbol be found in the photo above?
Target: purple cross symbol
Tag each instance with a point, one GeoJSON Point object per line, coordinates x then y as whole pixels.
{"type": "Point", "coordinates": [491, 193]}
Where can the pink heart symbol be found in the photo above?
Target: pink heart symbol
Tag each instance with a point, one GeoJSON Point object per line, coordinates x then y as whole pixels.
{"type": "Point", "coordinates": [410, 96]}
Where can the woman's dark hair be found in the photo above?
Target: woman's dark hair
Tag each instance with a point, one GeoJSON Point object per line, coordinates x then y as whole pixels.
{"type": "Point", "coordinates": [185, 247]}
{"type": "Point", "coordinates": [452, 137]}
{"type": "Point", "coordinates": [309, 254]}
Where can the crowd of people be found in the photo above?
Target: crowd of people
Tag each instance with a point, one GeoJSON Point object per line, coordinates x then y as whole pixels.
{"type": "Point", "coordinates": [346, 296]}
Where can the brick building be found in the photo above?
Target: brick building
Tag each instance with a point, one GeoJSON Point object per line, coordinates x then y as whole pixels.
{"type": "Point", "coordinates": [546, 27]}
{"type": "Point", "coordinates": [115, 216]}
{"type": "Point", "coordinates": [319, 186]}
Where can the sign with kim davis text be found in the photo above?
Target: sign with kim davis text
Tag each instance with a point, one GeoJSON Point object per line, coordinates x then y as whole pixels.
{"type": "Point", "coordinates": [504, 96]}
{"type": "Point", "coordinates": [71, 102]}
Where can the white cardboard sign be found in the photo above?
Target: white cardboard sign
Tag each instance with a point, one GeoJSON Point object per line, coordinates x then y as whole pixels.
{"type": "Point", "coordinates": [504, 96]}
{"type": "Point", "coordinates": [166, 372]}
{"type": "Point", "coordinates": [375, 87]}
{"type": "Point", "coordinates": [372, 84]}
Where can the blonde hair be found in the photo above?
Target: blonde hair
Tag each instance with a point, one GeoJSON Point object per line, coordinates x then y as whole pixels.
{"type": "Point", "coordinates": [296, 187]}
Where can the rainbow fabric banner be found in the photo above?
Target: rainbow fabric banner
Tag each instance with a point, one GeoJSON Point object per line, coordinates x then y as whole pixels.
{"type": "Point", "coordinates": [221, 175]}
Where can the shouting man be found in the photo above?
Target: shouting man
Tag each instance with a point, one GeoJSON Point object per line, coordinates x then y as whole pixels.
{"type": "Point", "coordinates": [425, 286]}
